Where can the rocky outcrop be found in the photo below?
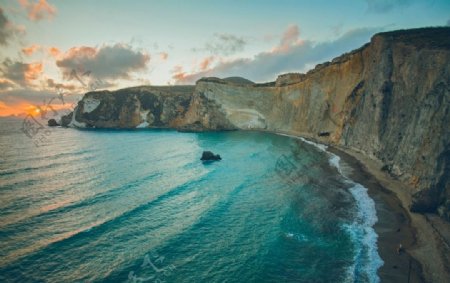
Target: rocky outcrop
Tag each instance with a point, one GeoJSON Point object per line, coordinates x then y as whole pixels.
{"type": "Point", "coordinates": [52, 123]}
{"type": "Point", "coordinates": [389, 99]}
{"type": "Point", "coordinates": [209, 156]}
{"type": "Point", "coordinates": [137, 107]}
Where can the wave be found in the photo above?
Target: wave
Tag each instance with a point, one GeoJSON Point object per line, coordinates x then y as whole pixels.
{"type": "Point", "coordinates": [99, 226]}
{"type": "Point", "coordinates": [367, 261]}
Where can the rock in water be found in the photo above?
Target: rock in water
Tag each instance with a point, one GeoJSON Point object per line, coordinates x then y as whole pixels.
{"type": "Point", "coordinates": [52, 123]}
{"type": "Point", "coordinates": [209, 156]}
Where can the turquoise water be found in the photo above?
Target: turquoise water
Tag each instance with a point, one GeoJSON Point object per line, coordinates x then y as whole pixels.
{"type": "Point", "coordinates": [139, 206]}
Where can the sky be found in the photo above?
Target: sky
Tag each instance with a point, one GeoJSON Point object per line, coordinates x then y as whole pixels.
{"type": "Point", "coordinates": [61, 49]}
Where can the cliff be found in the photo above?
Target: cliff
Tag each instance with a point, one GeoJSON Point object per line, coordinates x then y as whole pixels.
{"type": "Point", "coordinates": [136, 107]}
{"type": "Point", "coordinates": [388, 99]}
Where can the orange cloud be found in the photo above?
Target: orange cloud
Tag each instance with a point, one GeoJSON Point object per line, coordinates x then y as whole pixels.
{"type": "Point", "coordinates": [178, 73]}
{"type": "Point", "coordinates": [22, 74]}
{"type": "Point", "coordinates": [82, 51]}
{"type": "Point", "coordinates": [38, 10]}
{"type": "Point", "coordinates": [206, 62]}
{"type": "Point", "coordinates": [30, 50]}
{"type": "Point", "coordinates": [290, 38]}
{"type": "Point", "coordinates": [163, 56]}
{"type": "Point", "coordinates": [33, 71]}
{"type": "Point", "coordinates": [54, 52]}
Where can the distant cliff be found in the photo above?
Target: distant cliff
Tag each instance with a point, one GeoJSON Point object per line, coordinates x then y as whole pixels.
{"type": "Point", "coordinates": [390, 99]}
{"type": "Point", "coordinates": [136, 107]}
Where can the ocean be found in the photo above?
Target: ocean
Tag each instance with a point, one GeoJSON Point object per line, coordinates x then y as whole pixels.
{"type": "Point", "coordinates": [140, 206]}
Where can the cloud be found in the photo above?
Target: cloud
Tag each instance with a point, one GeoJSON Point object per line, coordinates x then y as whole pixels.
{"type": "Point", "coordinates": [448, 22]}
{"type": "Point", "coordinates": [383, 6]}
{"type": "Point", "coordinates": [291, 55]}
{"type": "Point", "coordinates": [8, 30]}
{"type": "Point", "coordinates": [179, 74]}
{"type": "Point", "coordinates": [206, 62]}
{"type": "Point", "coordinates": [38, 10]}
{"type": "Point", "coordinates": [54, 51]}
{"type": "Point", "coordinates": [22, 74]}
{"type": "Point", "coordinates": [5, 84]}
{"type": "Point", "coordinates": [5, 31]}
{"type": "Point", "coordinates": [53, 85]}
{"type": "Point", "coordinates": [31, 49]}
{"type": "Point", "coordinates": [224, 44]}
{"type": "Point", "coordinates": [290, 38]}
{"type": "Point", "coordinates": [163, 56]}
{"type": "Point", "coordinates": [22, 101]}
{"type": "Point", "coordinates": [107, 62]}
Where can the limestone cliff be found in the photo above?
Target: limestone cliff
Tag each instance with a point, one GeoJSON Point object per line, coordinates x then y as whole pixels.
{"type": "Point", "coordinates": [390, 99]}
{"type": "Point", "coordinates": [136, 107]}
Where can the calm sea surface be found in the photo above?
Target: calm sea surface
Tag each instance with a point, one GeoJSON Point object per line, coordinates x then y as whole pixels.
{"type": "Point", "coordinates": [139, 206]}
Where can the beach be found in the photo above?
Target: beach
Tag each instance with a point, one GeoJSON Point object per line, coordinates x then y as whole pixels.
{"type": "Point", "coordinates": [425, 238]}
{"type": "Point", "coordinates": [423, 258]}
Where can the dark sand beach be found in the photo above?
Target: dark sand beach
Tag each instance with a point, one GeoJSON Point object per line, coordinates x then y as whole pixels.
{"type": "Point", "coordinates": [425, 252]}
{"type": "Point", "coordinates": [393, 226]}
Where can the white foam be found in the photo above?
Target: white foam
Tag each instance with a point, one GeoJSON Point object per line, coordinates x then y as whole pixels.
{"type": "Point", "coordinates": [361, 230]}
{"type": "Point", "coordinates": [366, 260]}
{"type": "Point", "coordinates": [321, 147]}
{"type": "Point", "coordinates": [334, 161]}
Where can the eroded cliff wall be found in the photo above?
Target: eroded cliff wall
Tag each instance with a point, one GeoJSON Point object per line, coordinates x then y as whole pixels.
{"type": "Point", "coordinates": [136, 107]}
{"type": "Point", "coordinates": [390, 99]}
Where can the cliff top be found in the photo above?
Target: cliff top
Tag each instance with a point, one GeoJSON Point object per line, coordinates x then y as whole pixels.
{"type": "Point", "coordinates": [239, 80]}
{"type": "Point", "coordinates": [229, 80]}
{"type": "Point", "coordinates": [431, 37]}
{"type": "Point", "coordinates": [164, 90]}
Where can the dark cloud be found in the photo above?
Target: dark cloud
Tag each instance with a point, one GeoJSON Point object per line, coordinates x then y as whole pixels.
{"type": "Point", "coordinates": [383, 6]}
{"type": "Point", "coordinates": [5, 33]}
{"type": "Point", "coordinates": [61, 86]}
{"type": "Point", "coordinates": [224, 44]}
{"type": "Point", "coordinates": [7, 29]}
{"type": "Point", "coordinates": [5, 84]}
{"type": "Point", "coordinates": [34, 97]}
{"type": "Point", "coordinates": [297, 56]}
{"type": "Point", "coordinates": [22, 74]}
{"type": "Point", "coordinates": [106, 62]}
{"type": "Point", "coordinates": [20, 101]}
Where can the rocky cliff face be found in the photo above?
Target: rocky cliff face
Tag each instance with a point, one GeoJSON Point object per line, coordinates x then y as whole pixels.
{"type": "Point", "coordinates": [137, 107]}
{"type": "Point", "coordinates": [390, 99]}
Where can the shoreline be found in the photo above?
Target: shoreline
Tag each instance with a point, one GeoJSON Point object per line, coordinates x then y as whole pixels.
{"type": "Point", "coordinates": [426, 252]}
{"type": "Point", "coordinates": [424, 256]}
{"type": "Point", "coordinates": [393, 226]}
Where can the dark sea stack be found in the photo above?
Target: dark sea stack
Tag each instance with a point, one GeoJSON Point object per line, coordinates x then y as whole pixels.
{"type": "Point", "coordinates": [52, 123]}
{"type": "Point", "coordinates": [209, 156]}
{"type": "Point", "coordinates": [66, 119]}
